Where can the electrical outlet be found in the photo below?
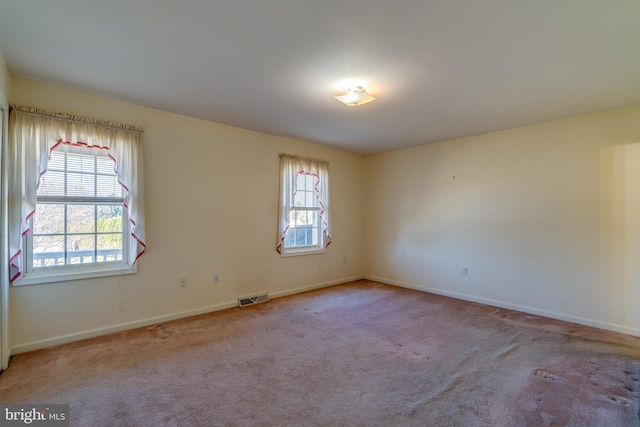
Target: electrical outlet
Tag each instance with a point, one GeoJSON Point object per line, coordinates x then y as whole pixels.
{"type": "Point", "coordinates": [344, 260]}
{"type": "Point", "coordinates": [216, 277]}
{"type": "Point", "coordinates": [183, 282]}
{"type": "Point", "coordinates": [465, 271]}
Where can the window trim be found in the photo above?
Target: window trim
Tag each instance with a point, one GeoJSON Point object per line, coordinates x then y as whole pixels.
{"type": "Point", "coordinates": [33, 133]}
{"type": "Point", "coordinates": [302, 250]}
{"type": "Point", "coordinates": [291, 167]}
{"type": "Point", "coordinates": [308, 249]}
{"type": "Point", "coordinates": [81, 271]}
{"type": "Point", "coordinates": [74, 273]}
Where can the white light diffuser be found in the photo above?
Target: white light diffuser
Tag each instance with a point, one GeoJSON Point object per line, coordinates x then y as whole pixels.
{"type": "Point", "coordinates": [356, 95]}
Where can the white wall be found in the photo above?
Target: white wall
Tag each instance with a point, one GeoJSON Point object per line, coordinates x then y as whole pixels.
{"type": "Point", "coordinates": [211, 204]}
{"type": "Point", "coordinates": [545, 217]}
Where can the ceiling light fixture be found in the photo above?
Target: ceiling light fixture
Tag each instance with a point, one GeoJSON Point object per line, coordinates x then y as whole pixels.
{"type": "Point", "coordinates": [356, 95]}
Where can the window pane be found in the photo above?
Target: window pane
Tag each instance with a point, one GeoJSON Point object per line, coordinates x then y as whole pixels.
{"type": "Point", "coordinates": [308, 218]}
{"type": "Point", "coordinates": [300, 237]}
{"type": "Point", "coordinates": [48, 251]}
{"type": "Point", "coordinates": [51, 184]}
{"type": "Point", "coordinates": [309, 182]}
{"type": "Point", "coordinates": [88, 162]}
{"type": "Point", "coordinates": [298, 199]}
{"type": "Point", "coordinates": [48, 243]}
{"type": "Point", "coordinates": [81, 248]}
{"type": "Point", "coordinates": [80, 242]}
{"type": "Point", "coordinates": [109, 247]}
{"type": "Point", "coordinates": [80, 163]}
{"type": "Point", "coordinates": [293, 218]}
{"type": "Point", "coordinates": [289, 238]}
{"type": "Point", "coordinates": [49, 219]}
{"type": "Point", "coordinates": [87, 232]}
{"type": "Point", "coordinates": [110, 241]}
{"type": "Point", "coordinates": [79, 184]}
{"type": "Point", "coordinates": [310, 199]}
{"type": "Point", "coordinates": [81, 219]}
{"type": "Point", "coordinates": [301, 182]}
{"type": "Point", "coordinates": [305, 192]}
{"type": "Point", "coordinates": [108, 186]}
{"type": "Point", "coordinates": [303, 230]}
{"type": "Point", "coordinates": [57, 160]}
{"type": "Point", "coordinates": [301, 218]}
{"type": "Point", "coordinates": [105, 165]}
{"type": "Point", "coordinates": [312, 218]}
{"type": "Point", "coordinates": [109, 218]}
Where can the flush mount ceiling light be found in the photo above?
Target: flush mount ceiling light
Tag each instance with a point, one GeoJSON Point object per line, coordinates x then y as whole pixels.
{"type": "Point", "coordinates": [356, 95]}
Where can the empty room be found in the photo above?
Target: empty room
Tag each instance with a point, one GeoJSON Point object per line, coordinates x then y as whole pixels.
{"type": "Point", "coordinates": [329, 213]}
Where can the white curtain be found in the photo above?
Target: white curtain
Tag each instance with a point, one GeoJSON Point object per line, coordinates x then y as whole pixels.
{"type": "Point", "coordinates": [33, 134]}
{"type": "Point", "coordinates": [290, 167]}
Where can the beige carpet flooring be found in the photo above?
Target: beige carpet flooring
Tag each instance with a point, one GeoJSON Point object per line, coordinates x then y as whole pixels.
{"type": "Point", "coordinates": [359, 354]}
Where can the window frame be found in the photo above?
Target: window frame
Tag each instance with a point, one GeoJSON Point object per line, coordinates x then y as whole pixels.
{"type": "Point", "coordinates": [66, 272]}
{"type": "Point", "coordinates": [316, 185]}
{"type": "Point", "coordinates": [306, 249]}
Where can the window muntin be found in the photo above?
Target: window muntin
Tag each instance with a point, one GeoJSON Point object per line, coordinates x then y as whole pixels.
{"type": "Point", "coordinates": [33, 135]}
{"type": "Point", "coordinates": [305, 231]}
{"type": "Point", "coordinates": [303, 215]}
{"type": "Point", "coordinates": [80, 217]}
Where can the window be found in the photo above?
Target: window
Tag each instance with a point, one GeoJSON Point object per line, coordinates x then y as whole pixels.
{"type": "Point", "coordinates": [80, 216]}
{"type": "Point", "coordinates": [304, 206]}
{"type": "Point", "coordinates": [77, 197]}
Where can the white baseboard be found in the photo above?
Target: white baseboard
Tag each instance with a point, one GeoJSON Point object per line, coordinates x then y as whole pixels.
{"type": "Point", "coordinates": [91, 333]}
{"type": "Point", "coordinates": [530, 310]}
{"type": "Point", "coordinates": [312, 287]}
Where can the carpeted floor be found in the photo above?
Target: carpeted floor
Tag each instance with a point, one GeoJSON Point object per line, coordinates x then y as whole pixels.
{"type": "Point", "coordinates": [359, 354]}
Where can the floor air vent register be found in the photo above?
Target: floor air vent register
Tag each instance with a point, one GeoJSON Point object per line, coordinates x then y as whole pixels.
{"type": "Point", "coordinates": [254, 299]}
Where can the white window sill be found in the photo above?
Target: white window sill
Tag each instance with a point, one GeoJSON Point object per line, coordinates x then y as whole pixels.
{"type": "Point", "coordinates": [301, 251]}
{"type": "Point", "coordinates": [73, 273]}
